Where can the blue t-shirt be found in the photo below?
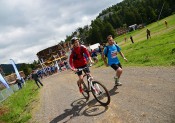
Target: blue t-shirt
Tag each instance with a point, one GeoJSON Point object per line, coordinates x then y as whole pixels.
{"type": "Point", "coordinates": [112, 54]}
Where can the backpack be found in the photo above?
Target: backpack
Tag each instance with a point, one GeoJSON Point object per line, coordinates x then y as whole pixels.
{"type": "Point", "coordinates": [75, 55]}
{"type": "Point", "coordinates": [107, 50]}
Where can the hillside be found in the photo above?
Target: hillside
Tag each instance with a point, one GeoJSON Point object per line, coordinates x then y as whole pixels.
{"type": "Point", "coordinates": [8, 68]}
{"type": "Point", "coordinates": [157, 51]}
{"type": "Point", "coordinates": [137, 11]}
{"type": "Point", "coordinates": [123, 15]}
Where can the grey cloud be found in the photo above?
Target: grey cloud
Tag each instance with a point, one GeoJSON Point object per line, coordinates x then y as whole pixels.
{"type": "Point", "coordinates": [30, 26]}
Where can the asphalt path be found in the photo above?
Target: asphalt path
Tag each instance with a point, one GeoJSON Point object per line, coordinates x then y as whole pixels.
{"type": "Point", "coordinates": [146, 96]}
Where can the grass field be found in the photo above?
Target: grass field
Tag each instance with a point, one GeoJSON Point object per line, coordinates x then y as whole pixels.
{"type": "Point", "coordinates": [16, 109]}
{"type": "Point", "coordinates": [157, 51]}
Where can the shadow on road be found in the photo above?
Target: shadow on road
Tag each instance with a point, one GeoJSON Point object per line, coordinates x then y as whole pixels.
{"type": "Point", "coordinates": [77, 106]}
{"type": "Point", "coordinates": [113, 91]}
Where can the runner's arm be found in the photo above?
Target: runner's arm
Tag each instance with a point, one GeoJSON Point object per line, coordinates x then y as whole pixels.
{"type": "Point", "coordinates": [104, 57]}
{"type": "Point", "coordinates": [122, 55]}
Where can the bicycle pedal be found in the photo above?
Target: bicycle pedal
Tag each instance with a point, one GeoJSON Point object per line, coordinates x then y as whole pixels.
{"type": "Point", "coordinates": [86, 90]}
{"type": "Point", "coordinates": [100, 93]}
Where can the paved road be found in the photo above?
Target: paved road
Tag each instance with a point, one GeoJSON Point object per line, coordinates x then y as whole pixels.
{"type": "Point", "coordinates": [147, 96]}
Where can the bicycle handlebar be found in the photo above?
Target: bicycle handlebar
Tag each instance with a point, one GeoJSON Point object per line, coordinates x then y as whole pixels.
{"type": "Point", "coordinates": [80, 69]}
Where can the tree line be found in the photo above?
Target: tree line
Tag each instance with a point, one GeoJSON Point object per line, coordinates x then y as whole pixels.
{"type": "Point", "coordinates": [123, 14]}
{"type": "Point", "coordinates": [26, 68]}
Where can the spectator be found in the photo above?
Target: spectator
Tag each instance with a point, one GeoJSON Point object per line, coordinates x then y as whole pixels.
{"type": "Point", "coordinates": [131, 39]}
{"type": "Point", "coordinates": [148, 34]}
{"type": "Point", "coordinates": [35, 77]}
{"type": "Point", "coordinates": [166, 23]}
{"type": "Point", "coordinates": [125, 39]}
{"type": "Point", "coordinates": [18, 82]}
{"type": "Point", "coordinates": [22, 81]}
{"type": "Point", "coordinates": [101, 49]}
{"type": "Point", "coordinates": [66, 65]}
{"type": "Point", "coordinates": [94, 56]}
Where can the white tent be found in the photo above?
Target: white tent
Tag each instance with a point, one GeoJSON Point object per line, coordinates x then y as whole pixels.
{"type": "Point", "coordinates": [94, 46]}
{"type": "Point", "coordinates": [133, 26]}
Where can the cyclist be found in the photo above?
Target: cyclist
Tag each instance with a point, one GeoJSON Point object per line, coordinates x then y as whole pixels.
{"type": "Point", "coordinates": [110, 52]}
{"type": "Point", "coordinates": [77, 60]}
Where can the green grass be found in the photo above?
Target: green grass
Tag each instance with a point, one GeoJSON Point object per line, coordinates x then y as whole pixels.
{"type": "Point", "coordinates": [16, 109]}
{"type": "Point", "coordinates": [157, 51]}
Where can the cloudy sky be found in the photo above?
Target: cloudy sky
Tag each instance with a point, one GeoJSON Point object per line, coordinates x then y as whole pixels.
{"type": "Point", "coordinates": [29, 26]}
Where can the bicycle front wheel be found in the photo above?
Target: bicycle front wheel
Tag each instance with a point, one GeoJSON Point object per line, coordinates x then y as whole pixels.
{"type": "Point", "coordinates": [100, 93]}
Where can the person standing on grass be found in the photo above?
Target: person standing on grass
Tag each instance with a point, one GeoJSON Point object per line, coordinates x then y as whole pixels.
{"type": "Point", "coordinates": [110, 52]}
{"type": "Point", "coordinates": [19, 83]}
{"type": "Point", "coordinates": [35, 77]}
{"type": "Point", "coordinates": [148, 34]}
{"type": "Point", "coordinates": [131, 39]}
{"type": "Point", "coordinates": [166, 23]}
{"type": "Point", "coordinates": [125, 39]}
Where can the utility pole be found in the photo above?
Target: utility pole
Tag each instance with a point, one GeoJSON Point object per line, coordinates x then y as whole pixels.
{"type": "Point", "coordinates": [160, 12]}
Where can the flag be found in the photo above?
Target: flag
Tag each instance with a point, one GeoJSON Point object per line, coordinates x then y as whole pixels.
{"type": "Point", "coordinates": [3, 81]}
{"type": "Point", "coordinates": [15, 68]}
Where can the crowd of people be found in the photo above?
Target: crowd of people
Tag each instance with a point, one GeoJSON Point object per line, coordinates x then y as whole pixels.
{"type": "Point", "coordinates": [40, 73]}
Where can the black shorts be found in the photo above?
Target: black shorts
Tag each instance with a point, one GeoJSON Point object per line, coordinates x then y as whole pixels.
{"type": "Point", "coordinates": [86, 70]}
{"type": "Point", "coordinates": [116, 66]}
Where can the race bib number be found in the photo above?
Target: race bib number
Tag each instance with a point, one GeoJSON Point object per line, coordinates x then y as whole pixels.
{"type": "Point", "coordinates": [113, 54]}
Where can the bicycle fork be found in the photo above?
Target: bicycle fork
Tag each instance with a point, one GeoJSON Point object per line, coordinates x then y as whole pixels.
{"type": "Point", "coordinates": [95, 87]}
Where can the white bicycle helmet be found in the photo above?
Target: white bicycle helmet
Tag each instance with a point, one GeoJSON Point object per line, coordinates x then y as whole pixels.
{"type": "Point", "coordinates": [74, 39]}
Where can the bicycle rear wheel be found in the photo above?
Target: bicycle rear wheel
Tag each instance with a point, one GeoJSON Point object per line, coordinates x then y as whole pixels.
{"type": "Point", "coordinates": [100, 93]}
{"type": "Point", "coordinates": [85, 92]}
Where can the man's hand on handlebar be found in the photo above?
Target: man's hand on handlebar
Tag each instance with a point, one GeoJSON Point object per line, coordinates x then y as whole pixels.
{"type": "Point", "coordinates": [73, 69]}
{"type": "Point", "coordinates": [90, 61]}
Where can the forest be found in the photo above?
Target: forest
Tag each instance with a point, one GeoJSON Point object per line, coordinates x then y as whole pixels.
{"type": "Point", "coordinates": [123, 14]}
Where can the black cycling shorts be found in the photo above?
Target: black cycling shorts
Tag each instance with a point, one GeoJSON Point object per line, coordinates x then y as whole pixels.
{"type": "Point", "coordinates": [86, 70]}
{"type": "Point", "coordinates": [116, 66]}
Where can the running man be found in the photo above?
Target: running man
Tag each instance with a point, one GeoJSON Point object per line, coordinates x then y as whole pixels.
{"type": "Point", "coordinates": [110, 52]}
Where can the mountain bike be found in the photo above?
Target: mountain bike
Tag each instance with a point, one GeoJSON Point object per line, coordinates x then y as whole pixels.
{"type": "Point", "coordinates": [98, 90]}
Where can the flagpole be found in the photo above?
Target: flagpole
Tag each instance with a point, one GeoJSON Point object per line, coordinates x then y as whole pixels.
{"type": "Point", "coordinates": [16, 71]}
{"type": "Point", "coordinates": [4, 82]}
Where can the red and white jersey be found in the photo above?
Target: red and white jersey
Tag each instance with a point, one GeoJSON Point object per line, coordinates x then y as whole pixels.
{"type": "Point", "coordinates": [76, 58]}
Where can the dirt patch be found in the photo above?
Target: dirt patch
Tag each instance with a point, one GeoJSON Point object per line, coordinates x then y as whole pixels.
{"type": "Point", "coordinates": [3, 110]}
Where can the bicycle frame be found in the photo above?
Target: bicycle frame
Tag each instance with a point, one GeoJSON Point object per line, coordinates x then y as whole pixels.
{"type": "Point", "coordinates": [89, 80]}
